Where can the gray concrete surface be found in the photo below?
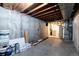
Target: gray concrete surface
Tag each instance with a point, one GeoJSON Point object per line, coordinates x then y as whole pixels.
{"type": "Point", "coordinates": [17, 23]}
{"type": "Point", "coordinates": [51, 47]}
{"type": "Point", "coordinates": [76, 30]}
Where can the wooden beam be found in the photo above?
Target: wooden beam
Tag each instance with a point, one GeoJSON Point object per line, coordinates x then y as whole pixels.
{"type": "Point", "coordinates": [50, 19]}
{"type": "Point", "coordinates": [51, 14]}
{"type": "Point", "coordinates": [55, 16]}
{"type": "Point", "coordinates": [37, 8]}
{"type": "Point", "coordinates": [58, 13]}
{"type": "Point", "coordinates": [15, 6]}
{"type": "Point", "coordinates": [44, 10]}
{"type": "Point", "coordinates": [31, 7]}
{"type": "Point", "coordinates": [48, 12]}
{"type": "Point", "coordinates": [44, 7]}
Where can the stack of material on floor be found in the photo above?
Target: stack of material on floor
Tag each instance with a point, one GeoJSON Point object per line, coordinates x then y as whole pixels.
{"type": "Point", "coordinates": [23, 46]}
{"type": "Point", "coordinates": [4, 41]}
{"type": "Point", "coordinates": [33, 43]}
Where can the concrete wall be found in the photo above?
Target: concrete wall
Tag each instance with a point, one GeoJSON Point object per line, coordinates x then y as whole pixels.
{"type": "Point", "coordinates": [76, 31]}
{"type": "Point", "coordinates": [17, 23]}
{"type": "Point", "coordinates": [44, 31]}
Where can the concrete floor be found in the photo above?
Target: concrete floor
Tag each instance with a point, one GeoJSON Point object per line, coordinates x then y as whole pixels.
{"type": "Point", "coordinates": [51, 47]}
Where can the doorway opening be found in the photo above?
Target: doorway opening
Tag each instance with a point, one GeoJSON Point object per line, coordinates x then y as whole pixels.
{"type": "Point", "coordinates": [55, 29]}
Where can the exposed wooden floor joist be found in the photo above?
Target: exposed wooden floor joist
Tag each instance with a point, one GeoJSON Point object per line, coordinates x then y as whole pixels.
{"type": "Point", "coordinates": [43, 11]}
